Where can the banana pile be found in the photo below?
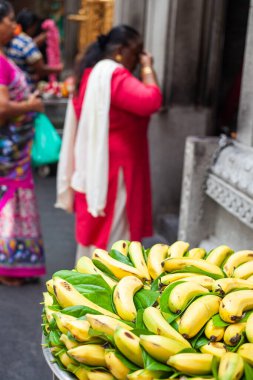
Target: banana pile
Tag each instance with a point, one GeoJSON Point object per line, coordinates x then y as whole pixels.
{"type": "Point", "coordinates": [169, 312]}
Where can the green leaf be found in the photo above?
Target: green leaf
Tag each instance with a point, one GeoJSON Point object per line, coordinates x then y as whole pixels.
{"type": "Point", "coordinates": [156, 284]}
{"type": "Point", "coordinates": [104, 269]}
{"type": "Point", "coordinates": [54, 338]}
{"type": "Point", "coordinates": [92, 286]}
{"type": "Point", "coordinates": [125, 361]}
{"type": "Point", "coordinates": [201, 342]}
{"type": "Point", "coordinates": [139, 332]}
{"type": "Point", "coordinates": [195, 339]}
{"type": "Point", "coordinates": [164, 300]}
{"type": "Point", "coordinates": [218, 322]}
{"type": "Point", "coordinates": [248, 371]}
{"type": "Point", "coordinates": [145, 253]}
{"type": "Point", "coordinates": [119, 257]}
{"type": "Point", "coordinates": [153, 365]}
{"type": "Point", "coordinates": [79, 311]}
{"type": "Point", "coordinates": [187, 351]}
{"type": "Point", "coordinates": [139, 324]}
{"type": "Point", "coordinates": [246, 316]}
{"type": "Point", "coordinates": [106, 337]}
{"type": "Point", "coordinates": [145, 298]}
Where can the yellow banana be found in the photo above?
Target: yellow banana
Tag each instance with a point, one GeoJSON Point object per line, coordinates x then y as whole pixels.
{"type": "Point", "coordinates": [192, 363]}
{"type": "Point", "coordinates": [214, 333]}
{"type": "Point", "coordinates": [67, 295]}
{"type": "Point", "coordinates": [235, 260]}
{"type": "Point", "coordinates": [90, 354]}
{"type": "Point", "coordinates": [196, 253]}
{"type": "Point", "coordinates": [231, 367]}
{"type": "Point", "coordinates": [123, 297]}
{"type": "Point", "coordinates": [85, 265]}
{"type": "Point", "coordinates": [80, 372]}
{"type": "Point", "coordinates": [182, 293]}
{"type": "Point", "coordinates": [144, 374]}
{"type": "Point", "coordinates": [137, 258]}
{"type": "Point", "coordinates": [79, 329]}
{"type": "Point", "coordinates": [119, 269]}
{"type": "Point", "coordinates": [197, 315]}
{"type": "Point", "coordinates": [121, 246]}
{"type": "Point", "coordinates": [156, 323]}
{"type": "Point", "coordinates": [160, 347]}
{"type": "Point", "coordinates": [61, 321]}
{"type": "Point", "coordinates": [129, 345]}
{"type": "Point", "coordinates": [250, 278]}
{"type": "Point", "coordinates": [226, 285]}
{"type": "Point", "coordinates": [48, 301]}
{"type": "Point", "coordinates": [249, 328]}
{"type": "Point", "coordinates": [219, 254]}
{"type": "Point", "coordinates": [117, 368]}
{"type": "Point", "coordinates": [233, 333]}
{"type": "Point", "coordinates": [244, 271]}
{"type": "Point", "coordinates": [178, 249]}
{"type": "Point", "coordinates": [99, 375]}
{"type": "Point", "coordinates": [205, 281]}
{"type": "Point", "coordinates": [105, 324]}
{"type": "Point", "coordinates": [157, 254]}
{"type": "Point", "coordinates": [69, 343]}
{"type": "Point", "coordinates": [65, 359]}
{"type": "Point", "coordinates": [217, 349]}
{"type": "Point", "coordinates": [246, 352]}
{"type": "Point", "coordinates": [191, 265]}
{"type": "Point", "coordinates": [50, 287]}
{"type": "Point", "coordinates": [172, 277]}
{"type": "Point", "coordinates": [234, 304]}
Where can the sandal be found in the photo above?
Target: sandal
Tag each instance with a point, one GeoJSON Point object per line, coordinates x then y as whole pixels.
{"type": "Point", "coordinates": [11, 281]}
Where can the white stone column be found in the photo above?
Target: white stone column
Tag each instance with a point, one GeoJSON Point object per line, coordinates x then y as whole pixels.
{"type": "Point", "coordinates": [194, 225]}
{"type": "Point", "coordinates": [130, 12]}
{"type": "Point", "coordinates": [156, 34]}
{"type": "Point", "coordinates": [245, 117]}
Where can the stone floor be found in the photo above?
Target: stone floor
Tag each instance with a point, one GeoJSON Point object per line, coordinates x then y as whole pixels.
{"type": "Point", "coordinates": [21, 356]}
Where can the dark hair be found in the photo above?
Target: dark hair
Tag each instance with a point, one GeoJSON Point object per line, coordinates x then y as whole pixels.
{"type": "Point", "coordinates": [5, 9]}
{"type": "Point", "coordinates": [27, 18]}
{"type": "Point", "coordinates": [120, 35]}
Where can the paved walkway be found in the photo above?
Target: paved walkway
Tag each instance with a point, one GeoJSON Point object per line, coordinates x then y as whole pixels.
{"type": "Point", "coordinates": [20, 310]}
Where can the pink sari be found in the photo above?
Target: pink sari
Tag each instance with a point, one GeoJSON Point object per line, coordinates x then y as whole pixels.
{"type": "Point", "coordinates": [21, 245]}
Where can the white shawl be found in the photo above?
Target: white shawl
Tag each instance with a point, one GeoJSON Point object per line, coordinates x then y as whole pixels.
{"type": "Point", "coordinates": [84, 159]}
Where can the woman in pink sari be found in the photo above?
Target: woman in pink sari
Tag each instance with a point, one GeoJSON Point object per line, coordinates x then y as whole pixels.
{"type": "Point", "coordinates": [21, 246]}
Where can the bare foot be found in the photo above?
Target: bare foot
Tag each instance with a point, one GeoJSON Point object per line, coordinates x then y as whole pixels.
{"type": "Point", "coordinates": [11, 281]}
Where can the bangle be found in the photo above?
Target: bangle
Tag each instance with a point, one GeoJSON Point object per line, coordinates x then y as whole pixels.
{"type": "Point", "coordinates": [147, 70]}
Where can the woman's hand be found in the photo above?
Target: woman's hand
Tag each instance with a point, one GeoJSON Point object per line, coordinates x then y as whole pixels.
{"type": "Point", "coordinates": [146, 59]}
{"type": "Point", "coordinates": [35, 103]}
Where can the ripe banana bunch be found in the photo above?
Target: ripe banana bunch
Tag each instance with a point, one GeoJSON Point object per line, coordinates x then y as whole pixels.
{"type": "Point", "coordinates": [132, 313]}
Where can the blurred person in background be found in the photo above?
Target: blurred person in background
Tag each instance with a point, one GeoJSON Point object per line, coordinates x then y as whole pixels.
{"type": "Point", "coordinates": [21, 246]}
{"type": "Point", "coordinates": [103, 173]}
{"type": "Point", "coordinates": [24, 48]}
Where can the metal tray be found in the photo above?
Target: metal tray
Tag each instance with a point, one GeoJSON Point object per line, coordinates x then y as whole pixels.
{"type": "Point", "coordinates": [58, 374]}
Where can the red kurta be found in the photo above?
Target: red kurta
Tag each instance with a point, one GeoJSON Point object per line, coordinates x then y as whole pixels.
{"type": "Point", "coordinates": [132, 103]}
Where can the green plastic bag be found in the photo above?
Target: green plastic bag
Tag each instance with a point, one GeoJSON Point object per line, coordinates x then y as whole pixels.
{"type": "Point", "coordinates": [47, 142]}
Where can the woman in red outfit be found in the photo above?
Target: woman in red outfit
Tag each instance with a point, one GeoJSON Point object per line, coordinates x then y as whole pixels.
{"type": "Point", "coordinates": [111, 177]}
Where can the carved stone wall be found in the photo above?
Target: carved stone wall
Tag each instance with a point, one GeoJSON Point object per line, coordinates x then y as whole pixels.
{"type": "Point", "coordinates": [230, 181]}
{"type": "Point", "coordinates": [217, 194]}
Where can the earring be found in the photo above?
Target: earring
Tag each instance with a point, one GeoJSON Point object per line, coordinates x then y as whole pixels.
{"type": "Point", "coordinates": [118, 57]}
